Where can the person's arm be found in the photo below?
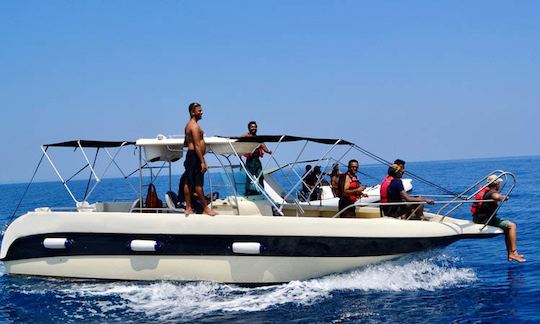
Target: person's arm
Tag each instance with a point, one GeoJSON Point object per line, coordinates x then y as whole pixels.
{"type": "Point", "coordinates": [196, 138]}
{"type": "Point", "coordinates": [498, 197]}
{"type": "Point", "coordinates": [263, 146]}
{"type": "Point", "coordinates": [352, 192]}
{"type": "Point", "coordinates": [334, 181]}
{"type": "Point", "coordinates": [408, 198]}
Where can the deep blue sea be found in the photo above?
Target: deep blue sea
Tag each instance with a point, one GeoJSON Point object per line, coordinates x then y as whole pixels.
{"type": "Point", "coordinates": [469, 281]}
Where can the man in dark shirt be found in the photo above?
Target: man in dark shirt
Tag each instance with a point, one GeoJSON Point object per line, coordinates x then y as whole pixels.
{"type": "Point", "coordinates": [311, 185]}
{"type": "Point", "coordinates": [253, 162]}
{"type": "Point", "coordinates": [308, 177]}
{"type": "Point", "coordinates": [488, 208]}
{"type": "Point", "coordinates": [397, 193]}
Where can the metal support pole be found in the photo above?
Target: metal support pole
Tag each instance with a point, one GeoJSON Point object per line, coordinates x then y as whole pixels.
{"type": "Point", "coordinates": [318, 161]}
{"type": "Point", "coordinates": [59, 175]}
{"type": "Point", "coordinates": [140, 181]}
{"type": "Point", "coordinates": [251, 178]}
{"type": "Point", "coordinates": [89, 164]}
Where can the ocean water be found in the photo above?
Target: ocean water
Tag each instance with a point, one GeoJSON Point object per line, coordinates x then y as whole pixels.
{"type": "Point", "coordinates": [469, 281]}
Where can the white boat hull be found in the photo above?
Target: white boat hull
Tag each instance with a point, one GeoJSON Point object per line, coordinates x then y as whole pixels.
{"type": "Point", "coordinates": [198, 247]}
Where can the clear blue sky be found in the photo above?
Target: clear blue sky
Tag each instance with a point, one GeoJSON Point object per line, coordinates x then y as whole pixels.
{"type": "Point", "coordinates": [422, 80]}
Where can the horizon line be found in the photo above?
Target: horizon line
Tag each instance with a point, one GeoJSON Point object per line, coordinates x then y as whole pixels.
{"type": "Point", "coordinates": [422, 161]}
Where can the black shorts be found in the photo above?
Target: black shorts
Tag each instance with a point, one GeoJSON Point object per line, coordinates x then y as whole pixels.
{"type": "Point", "coordinates": [254, 166]}
{"type": "Point", "coordinates": [349, 212]}
{"type": "Point", "coordinates": [194, 175]}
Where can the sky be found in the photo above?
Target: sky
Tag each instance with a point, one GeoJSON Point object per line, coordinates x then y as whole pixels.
{"type": "Point", "coordinates": [422, 80]}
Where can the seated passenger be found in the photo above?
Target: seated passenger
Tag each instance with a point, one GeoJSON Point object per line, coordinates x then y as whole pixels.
{"type": "Point", "coordinates": [388, 179]}
{"type": "Point", "coordinates": [396, 193]}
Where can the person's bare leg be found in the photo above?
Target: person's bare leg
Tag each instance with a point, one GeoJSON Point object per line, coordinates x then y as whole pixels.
{"type": "Point", "coordinates": [507, 241]}
{"type": "Point", "coordinates": [187, 197]}
{"type": "Point", "coordinates": [417, 212]}
{"type": "Point", "coordinates": [206, 210]}
{"type": "Point", "coordinates": [512, 254]}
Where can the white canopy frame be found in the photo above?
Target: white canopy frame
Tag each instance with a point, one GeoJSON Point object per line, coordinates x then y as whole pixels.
{"type": "Point", "coordinates": [112, 160]}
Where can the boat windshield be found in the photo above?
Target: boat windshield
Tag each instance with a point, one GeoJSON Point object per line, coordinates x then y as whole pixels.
{"type": "Point", "coordinates": [232, 181]}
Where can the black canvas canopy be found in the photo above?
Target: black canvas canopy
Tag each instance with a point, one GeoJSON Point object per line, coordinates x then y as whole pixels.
{"type": "Point", "coordinates": [289, 138]}
{"type": "Point", "coordinates": [89, 143]}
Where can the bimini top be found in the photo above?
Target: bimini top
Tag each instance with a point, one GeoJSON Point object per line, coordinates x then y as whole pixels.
{"type": "Point", "coordinates": [89, 143]}
{"type": "Point", "coordinates": [170, 148]}
{"type": "Point", "coordinates": [290, 138]}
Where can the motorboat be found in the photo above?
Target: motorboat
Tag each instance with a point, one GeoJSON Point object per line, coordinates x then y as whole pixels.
{"type": "Point", "coordinates": [255, 239]}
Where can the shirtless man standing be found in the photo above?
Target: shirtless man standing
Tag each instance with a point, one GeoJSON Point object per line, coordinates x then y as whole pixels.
{"type": "Point", "coordinates": [195, 164]}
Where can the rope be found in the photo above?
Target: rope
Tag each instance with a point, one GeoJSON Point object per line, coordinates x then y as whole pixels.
{"type": "Point", "coordinates": [24, 194]}
{"type": "Point", "coordinates": [368, 176]}
{"type": "Point", "coordinates": [412, 175]}
{"type": "Point", "coordinates": [76, 173]}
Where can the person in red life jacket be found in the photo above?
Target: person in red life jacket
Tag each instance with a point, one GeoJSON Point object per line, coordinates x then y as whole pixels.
{"type": "Point", "coordinates": [396, 193]}
{"type": "Point", "coordinates": [152, 201]}
{"type": "Point", "coordinates": [483, 211]}
{"type": "Point", "coordinates": [195, 163]}
{"type": "Point", "coordinates": [253, 162]}
{"type": "Point", "coordinates": [386, 181]}
{"type": "Point", "coordinates": [350, 190]}
{"type": "Point", "coordinates": [383, 191]}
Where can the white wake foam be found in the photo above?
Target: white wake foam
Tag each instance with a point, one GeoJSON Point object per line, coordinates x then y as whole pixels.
{"type": "Point", "coordinates": [173, 300]}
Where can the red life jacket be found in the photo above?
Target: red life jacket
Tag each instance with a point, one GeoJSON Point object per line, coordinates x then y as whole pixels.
{"type": "Point", "coordinates": [475, 207]}
{"type": "Point", "coordinates": [259, 150]}
{"type": "Point", "coordinates": [384, 188]}
{"type": "Point", "coordinates": [355, 183]}
{"type": "Point", "coordinates": [152, 200]}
